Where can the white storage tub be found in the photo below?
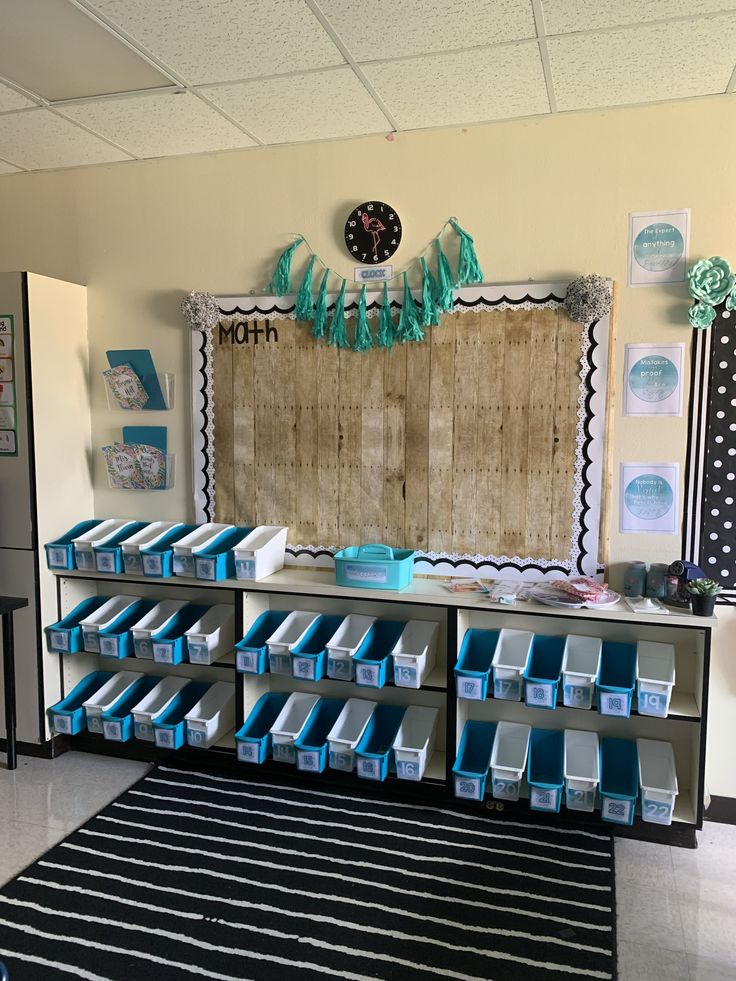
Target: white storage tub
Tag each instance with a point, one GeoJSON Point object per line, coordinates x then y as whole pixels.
{"type": "Point", "coordinates": [582, 769]}
{"type": "Point", "coordinates": [655, 677]}
{"type": "Point", "coordinates": [347, 732]}
{"type": "Point", "coordinates": [154, 703]}
{"type": "Point", "coordinates": [83, 555]}
{"type": "Point", "coordinates": [510, 662]}
{"type": "Point", "coordinates": [414, 742]}
{"type": "Point", "coordinates": [340, 648]}
{"type": "Point", "coordinates": [104, 698]}
{"type": "Point", "coordinates": [581, 663]}
{"type": "Point", "coordinates": [131, 547]}
{"type": "Point", "coordinates": [289, 724]}
{"type": "Point", "coordinates": [261, 553]}
{"type": "Point", "coordinates": [102, 618]}
{"type": "Point", "coordinates": [211, 636]}
{"type": "Point", "coordinates": [287, 635]}
{"type": "Point", "coordinates": [508, 759]}
{"type": "Point", "coordinates": [657, 779]}
{"type": "Point", "coordinates": [195, 541]}
{"type": "Point", "coordinates": [152, 623]}
{"type": "Point", "coordinates": [415, 653]}
{"type": "Point", "coordinates": [212, 717]}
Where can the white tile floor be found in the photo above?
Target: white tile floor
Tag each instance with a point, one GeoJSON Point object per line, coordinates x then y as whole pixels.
{"type": "Point", "coordinates": [676, 907]}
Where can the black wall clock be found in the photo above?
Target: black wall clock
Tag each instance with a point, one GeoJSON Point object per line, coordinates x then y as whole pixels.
{"type": "Point", "coordinates": [372, 232]}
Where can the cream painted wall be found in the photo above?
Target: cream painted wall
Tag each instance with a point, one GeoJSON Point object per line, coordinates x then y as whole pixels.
{"type": "Point", "coordinates": [545, 198]}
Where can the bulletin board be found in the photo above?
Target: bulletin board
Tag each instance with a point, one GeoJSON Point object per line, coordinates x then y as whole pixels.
{"type": "Point", "coordinates": [481, 447]}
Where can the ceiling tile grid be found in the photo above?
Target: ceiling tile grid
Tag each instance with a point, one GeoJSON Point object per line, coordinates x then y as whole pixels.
{"type": "Point", "coordinates": [6, 168]}
{"type": "Point", "coordinates": [567, 16]}
{"type": "Point", "coordinates": [11, 100]}
{"type": "Point", "coordinates": [40, 140]}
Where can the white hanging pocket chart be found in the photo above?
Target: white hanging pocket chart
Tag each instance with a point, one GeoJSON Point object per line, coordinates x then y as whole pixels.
{"type": "Point", "coordinates": [649, 496]}
{"type": "Point", "coordinates": [653, 379]}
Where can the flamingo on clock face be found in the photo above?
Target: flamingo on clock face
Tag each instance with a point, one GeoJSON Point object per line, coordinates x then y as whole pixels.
{"type": "Point", "coordinates": [375, 226]}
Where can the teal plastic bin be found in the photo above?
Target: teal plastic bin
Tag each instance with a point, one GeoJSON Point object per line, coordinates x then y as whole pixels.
{"type": "Point", "coordinates": [374, 567]}
{"type": "Point", "coordinates": [545, 770]}
{"type": "Point", "coordinates": [615, 685]}
{"type": "Point", "coordinates": [311, 746]}
{"type": "Point", "coordinates": [169, 728]}
{"type": "Point", "coordinates": [473, 759]}
{"type": "Point", "coordinates": [117, 722]}
{"type": "Point", "coordinates": [372, 662]}
{"type": "Point", "coordinates": [109, 557]}
{"type": "Point", "coordinates": [374, 752]}
{"type": "Point", "coordinates": [253, 739]}
{"type": "Point", "coordinates": [68, 715]}
{"type": "Point", "coordinates": [158, 559]}
{"type": "Point", "coordinates": [619, 787]}
{"type": "Point", "coordinates": [217, 561]}
{"type": "Point", "coordinates": [170, 645]}
{"type": "Point", "coordinates": [251, 653]}
{"type": "Point", "coordinates": [60, 552]}
{"type": "Point", "coordinates": [117, 640]}
{"type": "Point", "coordinates": [309, 657]}
{"type": "Point", "coordinates": [65, 636]}
{"type": "Point", "coordinates": [542, 675]}
{"type": "Point", "coordinates": [473, 668]}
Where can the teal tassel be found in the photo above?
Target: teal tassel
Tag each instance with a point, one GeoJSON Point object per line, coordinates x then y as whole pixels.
{"type": "Point", "coordinates": [319, 327]}
{"type": "Point", "coordinates": [363, 336]}
{"type": "Point", "coordinates": [468, 270]}
{"type": "Point", "coordinates": [430, 313]}
{"type": "Point", "coordinates": [304, 309]}
{"type": "Point", "coordinates": [385, 322]}
{"type": "Point", "coordinates": [445, 285]}
{"type": "Point", "coordinates": [338, 332]}
{"type": "Point", "coordinates": [409, 328]}
{"type": "Point", "coordinates": [281, 280]}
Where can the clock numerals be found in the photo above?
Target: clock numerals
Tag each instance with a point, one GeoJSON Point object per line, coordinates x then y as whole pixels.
{"type": "Point", "coordinates": [372, 232]}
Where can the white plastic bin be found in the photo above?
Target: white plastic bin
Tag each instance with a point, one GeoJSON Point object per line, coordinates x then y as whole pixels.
{"type": "Point", "coordinates": [104, 616]}
{"type": "Point", "coordinates": [83, 555]}
{"type": "Point", "coordinates": [195, 541]}
{"type": "Point", "coordinates": [582, 770]}
{"type": "Point", "coordinates": [655, 677]}
{"type": "Point", "coordinates": [415, 653]}
{"type": "Point", "coordinates": [261, 553]}
{"type": "Point", "coordinates": [581, 663]}
{"type": "Point", "coordinates": [287, 635]}
{"type": "Point", "coordinates": [657, 779]}
{"type": "Point", "coordinates": [152, 623]}
{"type": "Point", "coordinates": [340, 648]}
{"type": "Point", "coordinates": [414, 742]}
{"type": "Point", "coordinates": [508, 759]}
{"type": "Point", "coordinates": [509, 663]}
{"type": "Point", "coordinates": [154, 703]}
{"type": "Point", "coordinates": [131, 547]}
{"type": "Point", "coordinates": [211, 636]}
{"type": "Point", "coordinates": [212, 717]}
{"type": "Point", "coordinates": [106, 696]}
{"type": "Point", "coordinates": [289, 724]}
{"type": "Point", "coordinates": [347, 733]}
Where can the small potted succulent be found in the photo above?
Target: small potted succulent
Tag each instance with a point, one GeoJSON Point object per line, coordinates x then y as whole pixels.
{"type": "Point", "coordinates": [703, 594]}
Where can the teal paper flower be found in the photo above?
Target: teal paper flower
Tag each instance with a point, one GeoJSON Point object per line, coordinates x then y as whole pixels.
{"type": "Point", "coordinates": [711, 280]}
{"type": "Point", "coordinates": [701, 315]}
{"type": "Point", "coordinates": [731, 301]}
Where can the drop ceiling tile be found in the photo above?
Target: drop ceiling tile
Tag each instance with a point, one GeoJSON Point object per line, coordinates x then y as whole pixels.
{"type": "Point", "coordinates": [224, 40]}
{"type": "Point", "coordinates": [385, 29]}
{"type": "Point", "coordinates": [317, 106]}
{"type": "Point", "coordinates": [159, 125]}
{"type": "Point", "coordinates": [465, 87]}
{"type": "Point", "coordinates": [564, 16]}
{"type": "Point", "coordinates": [39, 140]}
{"type": "Point", "coordinates": [6, 168]}
{"type": "Point", "coordinates": [643, 64]}
{"type": "Point", "coordinates": [10, 99]}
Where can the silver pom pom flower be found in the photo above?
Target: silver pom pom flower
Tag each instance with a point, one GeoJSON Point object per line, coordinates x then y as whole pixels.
{"type": "Point", "coordinates": [200, 310]}
{"type": "Point", "coordinates": [588, 298]}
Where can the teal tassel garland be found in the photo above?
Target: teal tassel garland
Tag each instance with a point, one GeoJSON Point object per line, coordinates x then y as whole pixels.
{"type": "Point", "coordinates": [430, 313]}
{"type": "Point", "coordinates": [409, 328]}
{"type": "Point", "coordinates": [304, 309]}
{"type": "Point", "coordinates": [385, 322]}
{"type": "Point", "coordinates": [281, 280]}
{"type": "Point", "coordinates": [363, 336]}
{"type": "Point", "coordinates": [338, 332]}
{"type": "Point", "coordinates": [319, 327]}
{"type": "Point", "coordinates": [445, 285]}
{"type": "Point", "coordinates": [468, 270]}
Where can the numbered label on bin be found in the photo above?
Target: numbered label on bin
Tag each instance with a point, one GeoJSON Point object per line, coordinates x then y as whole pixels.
{"type": "Point", "coordinates": [57, 558]}
{"type": "Point", "coordinates": [507, 689]}
{"type": "Point", "coordinates": [578, 696]}
{"type": "Point", "coordinates": [368, 674]}
{"type": "Point", "coordinates": [91, 641]}
{"type": "Point", "coordinates": [196, 737]}
{"type": "Point", "coordinates": [144, 731]}
{"type": "Point", "coordinates": [540, 695]}
{"type": "Point", "coordinates": [84, 559]}
{"type": "Point", "coordinates": [616, 810]}
{"type": "Point", "coordinates": [165, 738]}
{"type": "Point", "coordinates": [580, 800]}
{"type": "Point", "coordinates": [106, 562]}
{"type": "Point", "coordinates": [62, 723]}
{"type": "Point", "coordinates": [94, 723]}
{"type": "Point", "coordinates": [506, 789]}
{"type": "Point", "coordinates": [279, 663]}
{"type": "Point", "coordinates": [284, 752]}
{"type": "Point", "coordinates": [613, 704]}
{"type": "Point", "coordinates": [308, 760]}
{"type": "Point", "coordinates": [247, 661]}
{"type": "Point", "coordinates": [245, 569]}
{"type": "Point", "coordinates": [656, 812]}
{"type": "Point", "coordinates": [142, 648]}
{"type": "Point", "coordinates": [112, 730]}
{"type": "Point", "coordinates": [370, 769]}
{"type": "Point", "coordinates": [163, 653]}
{"type": "Point", "coordinates": [341, 761]}
{"type": "Point", "coordinates": [59, 640]}
{"type": "Point", "coordinates": [468, 788]}
{"type": "Point", "coordinates": [652, 703]}
{"type": "Point", "coordinates": [470, 688]}
{"type": "Point", "coordinates": [205, 568]}
{"type": "Point", "coordinates": [109, 646]}
{"type": "Point", "coordinates": [340, 668]}
{"type": "Point", "coordinates": [183, 565]}
{"type": "Point", "coordinates": [248, 752]}
{"type": "Point", "coordinates": [152, 565]}
{"type": "Point", "coordinates": [199, 654]}
{"type": "Point", "coordinates": [132, 563]}
{"type": "Point", "coordinates": [303, 668]}
{"type": "Point", "coordinates": [408, 770]}
{"type": "Point", "coordinates": [406, 677]}
{"type": "Point", "coordinates": [543, 800]}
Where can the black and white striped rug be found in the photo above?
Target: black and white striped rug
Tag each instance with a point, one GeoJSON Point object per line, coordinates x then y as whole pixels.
{"type": "Point", "coordinates": [195, 875]}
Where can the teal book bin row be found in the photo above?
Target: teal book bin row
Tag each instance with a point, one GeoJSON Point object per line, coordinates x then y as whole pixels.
{"type": "Point", "coordinates": [374, 567]}
{"type": "Point", "coordinates": [309, 657]}
{"type": "Point", "coordinates": [311, 746]}
{"type": "Point", "coordinates": [542, 675]}
{"type": "Point", "coordinates": [253, 739]}
{"type": "Point", "coordinates": [619, 787]}
{"type": "Point", "coordinates": [473, 668]}
{"type": "Point", "coordinates": [170, 645]}
{"type": "Point", "coordinates": [68, 715]}
{"type": "Point", "coordinates": [109, 557]}
{"type": "Point", "coordinates": [545, 771]}
{"type": "Point", "coordinates": [60, 552]}
{"type": "Point", "coordinates": [65, 636]}
{"type": "Point", "coordinates": [117, 641]}
{"type": "Point", "coordinates": [169, 728]}
{"type": "Point", "coordinates": [251, 653]}
{"type": "Point", "coordinates": [374, 752]}
{"type": "Point", "coordinates": [158, 559]}
{"type": "Point", "coordinates": [217, 561]}
{"type": "Point", "coordinates": [117, 722]}
{"type": "Point", "coordinates": [473, 759]}
{"type": "Point", "coordinates": [372, 662]}
{"type": "Point", "coordinates": [615, 685]}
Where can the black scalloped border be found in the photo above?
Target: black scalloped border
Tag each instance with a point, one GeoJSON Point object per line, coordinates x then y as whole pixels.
{"type": "Point", "coordinates": [203, 429]}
